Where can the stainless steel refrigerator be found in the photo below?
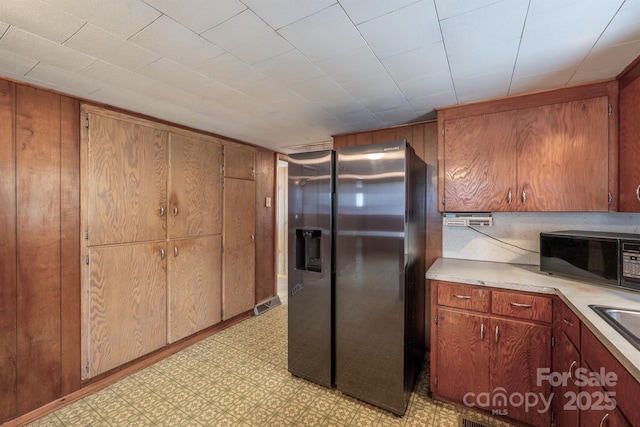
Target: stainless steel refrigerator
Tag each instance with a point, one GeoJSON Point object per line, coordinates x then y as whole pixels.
{"type": "Point", "coordinates": [375, 348]}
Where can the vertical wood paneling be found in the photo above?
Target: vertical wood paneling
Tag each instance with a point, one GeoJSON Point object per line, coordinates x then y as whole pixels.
{"type": "Point", "coordinates": [351, 140]}
{"type": "Point", "coordinates": [384, 135]}
{"type": "Point", "coordinates": [69, 243]}
{"type": "Point", "coordinates": [431, 143]}
{"type": "Point", "coordinates": [406, 133]}
{"type": "Point", "coordinates": [364, 138]}
{"type": "Point", "coordinates": [38, 249]}
{"type": "Point", "coordinates": [418, 139]}
{"type": "Point", "coordinates": [8, 324]}
{"type": "Point", "coordinates": [339, 141]}
{"type": "Point", "coordinates": [265, 225]}
{"type": "Point", "coordinates": [239, 161]}
{"type": "Point", "coordinates": [629, 146]}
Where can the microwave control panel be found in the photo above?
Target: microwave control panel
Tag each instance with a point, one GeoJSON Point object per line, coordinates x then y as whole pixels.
{"type": "Point", "coordinates": [631, 260]}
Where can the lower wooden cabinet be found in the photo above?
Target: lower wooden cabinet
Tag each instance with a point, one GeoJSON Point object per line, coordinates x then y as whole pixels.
{"type": "Point", "coordinates": [127, 305]}
{"type": "Point", "coordinates": [566, 359]}
{"type": "Point", "coordinates": [194, 285]}
{"type": "Point", "coordinates": [488, 361]}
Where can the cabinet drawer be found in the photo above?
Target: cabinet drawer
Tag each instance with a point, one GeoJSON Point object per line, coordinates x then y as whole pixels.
{"type": "Point", "coordinates": [522, 306]}
{"type": "Point", "coordinates": [461, 296]}
{"type": "Point", "coordinates": [566, 321]}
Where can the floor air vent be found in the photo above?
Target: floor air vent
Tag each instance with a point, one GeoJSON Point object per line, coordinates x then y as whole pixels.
{"type": "Point", "coordinates": [466, 422]}
{"type": "Point", "coordinates": [266, 305]}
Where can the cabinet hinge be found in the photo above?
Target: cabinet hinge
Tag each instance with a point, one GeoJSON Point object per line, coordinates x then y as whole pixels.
{"type": "Point", "coordinates": [86, 235]}
{"type": "Point", "coordinates": [435, 381]}
{"type": "Point", "coordinates": [222, 314]}
{"type": "Point", "coordinates": [86, 368]}
{"type": "Point", "coordinates": [86, 121]}
{"type": "Point", "coordinates": [553, 341]}
{"type": "Point", "coordinates": [435, 319]}
{"type": "Point", "coordinates": [610, 109]}
{"type": "Point", "coordinates": [552, 419]}
{"type": "Point", "coordinates": [442, 200]}
{"type": "Point", "coordinates": [610, 198]}
{"type": "Point", "coordinates": [86, 259]}
{"type": "Point", "coordinates": [442, 131]}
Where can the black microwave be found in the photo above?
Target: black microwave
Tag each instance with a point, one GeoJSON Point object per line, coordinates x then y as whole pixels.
{"type": "Point", "coordinates": [599, 257]}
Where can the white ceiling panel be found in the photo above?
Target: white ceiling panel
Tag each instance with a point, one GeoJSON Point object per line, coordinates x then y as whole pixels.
{"type": "Point", "coordinates": [288, 11]}
{"type": "Point", "coordinates": [199, 15]}
{"type": "Point", "coordinates": [99, 43]}
{"type": "Point", "coordinates": [324, 34]}
{"type": "Point", "coordinates": [40, 18]}
{"type": "Point", "coordinates": [409, 28]}
{"type": "Point", "coordinates": [121, 17]}
{"type": "Point", "coordinates": [291, 72]}
{"type": "Point", "coordinates": [229, 70]}
{"type": "Point", "coordinates": [44, 50]}
{"type": "Point", "coordinates": [172, 40]}
{"type": "Point", "coordinates": [239, 36]}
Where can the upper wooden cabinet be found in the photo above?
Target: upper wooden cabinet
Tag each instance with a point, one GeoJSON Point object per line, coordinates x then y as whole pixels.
{"type": "Point", "coordinates": [630, 140]}
{"type": "Point", "coordinates": [552, 151]}
{"type": "Point", "coordinates": [239, 161]}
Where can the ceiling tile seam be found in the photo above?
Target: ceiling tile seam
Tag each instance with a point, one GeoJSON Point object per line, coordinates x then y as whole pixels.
{"type": "Point", "coordinates": [595, 43]}
{"type": "Point", "coordinates": [515, 63]}
{"type": "Point", "coordinates": [446, 53]}
{"type": "Point", "coordinates": [380, 16]}
{"type": "Point", "coordinates": [379, 61]}
{"type": "Point", "coordinates": [143, 28]}
{"type": "Point", "coordinates": [74, 33]}
{"type": "Point", "coordinates": [290, 23]}
{"type": "Point", "coordinates": [469, 10]}
{"type": "Point", "coordinates": [5, 31]}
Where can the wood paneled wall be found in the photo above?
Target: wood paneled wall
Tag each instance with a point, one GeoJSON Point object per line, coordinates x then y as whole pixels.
{"type": "Point", "coordinates": [39, 259]}
{"type": "Point", "coordinates": [265, 225]}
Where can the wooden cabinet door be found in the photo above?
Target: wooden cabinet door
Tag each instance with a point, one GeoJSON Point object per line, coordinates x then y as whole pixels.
{"type": "Point", "coordinates": [195, 187]}
{"type": "Point", "coordinates": [518, 350]}
{"type": "Point", "coordinates": [480, 162]}
{"type": "Point", "coordinates": [565, 359]}
{"type": "Point", "coordinates": [562, 157]}
{"type": "Point", "coordinates": [629, 200]}
{"type": "Point", "coordinates": [194, 286]}
{"type": "Point", "coordinates": [598, 409]}
{"type": "Point", "coordinates": [462, 355]}
{"type": "Point", "coordinates": [239, 162]}
{"type": "Point", "coordinates": [126, 180]}
{"type": "Point", "coordinates": [127, 312]}
{"type": "Point", "coordinates": [238, 291]}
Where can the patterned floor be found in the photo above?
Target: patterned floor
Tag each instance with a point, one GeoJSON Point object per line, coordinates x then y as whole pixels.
{"type": "Point", "coordinates": [239, 377]}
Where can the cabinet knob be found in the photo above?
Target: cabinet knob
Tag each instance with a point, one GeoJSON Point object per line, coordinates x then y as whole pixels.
{"type": "Point", "coordinates": [162, 253]}
{"type": "Point", "coordinates": [175, 210]}
{"type": "Point", "coordinates": [524, 197]}
{"type": "Point", "coordinates": [481, 331]}
{"type": "Point", "coordinates": [161, 210]}
{"type": "Point", "coordinates": [175, 251]}
{"type": "Point", "coordinates": [253, 238]}
{"type": "Point", "coordinates": [509, 197]}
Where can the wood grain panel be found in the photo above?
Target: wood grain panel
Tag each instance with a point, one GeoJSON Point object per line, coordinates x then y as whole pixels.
{"type": "Point", "coordinates": [479, 162]}
{"type": "Point", "coordinates": [599, 415]}
{"type": "Point", "coordinates": [127, 304]}
{"type": "Point", "coordinates": [266, 286]}
{"type": "Point", "coordinates": [417, 139]}
{"type": "Point", "coordinates": [565, 359]}
{"type": "Point", "coordinates": [431, 143]}
{"type": "Point", "coordinates": [563, 157]}
{"type": "Point", "coordinates": [339, 141]}
{"type": "Point", "coordinates": [239, 161]}
{"type": "Point", "coordinates": [194, 285]}
{"type": "Point", "coordinates": [406, 133]}
{"type": "Point", "coordinates": [238, 286]}
{"type": "Point", "coordinates": [364, 138]}
{"type": "Point", "coordinates": [522, 306]}
{"type": "Point", "coordinates": [466, 297]}
{"type": "Point", "coordinates": [565, 321]}
{"type": "Point", "coordinates": [38, 244]}
{"type": "Point", "coordinates": [384, 135]}
{"type": "Point", "coordinates": [127, 181]}
{"type": "Point", "coordinates": [351, 140]}
{"type": "Point", "coordinates": [518, 350]}
{"type": "Point", "coordinates": [8, 289]}
{"type": "Point", "coordinates": [69, 243]}
{"type": "Point", "coordinates": [195, 187]}
{"type": "Point", "coordinates": [629, 179]}
{"type": "Point", "coordinates": [462, 354]}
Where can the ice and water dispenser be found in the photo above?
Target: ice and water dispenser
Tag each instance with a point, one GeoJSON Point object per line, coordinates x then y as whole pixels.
{"type": "Point", "coordinates": [309, 250]}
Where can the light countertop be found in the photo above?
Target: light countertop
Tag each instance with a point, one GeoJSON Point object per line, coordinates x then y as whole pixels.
{"type": "Point", "coordinates": [576, 294]}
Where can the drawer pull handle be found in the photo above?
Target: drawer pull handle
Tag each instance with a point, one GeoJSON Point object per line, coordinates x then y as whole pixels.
{"type": "Point", "coordinates": [517, 304]}
{"type": "Point", "coordinates": [162, 254]}
{"type": "Point", "coordinates": [571, 369]}
{"type": "Point", "coordinates": [462, 296]}
{"type": "Point", "coordinates": [497, 334]}
{"type": "Point", "coordinates": [638, 193]}
{"type": "Point", "coordinates": [604, 418]}
{"type": "Point", "coordinates": [564, 319]}
{"type": "Point", "coordinates": [482, 332]}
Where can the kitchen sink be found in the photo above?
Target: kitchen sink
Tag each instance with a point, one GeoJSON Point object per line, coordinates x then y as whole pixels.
{"type": "Point", "coordinates": [625, 321]}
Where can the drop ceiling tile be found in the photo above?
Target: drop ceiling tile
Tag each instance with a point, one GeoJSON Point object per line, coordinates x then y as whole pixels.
{"type": "Point", "coordinates": [534, 82]}
{"type": "Point", "coordinates": [289, 68]}
{"type": "Point", "coordinates": [410, 65]}
{"type": "Point", "coordinates": [339, 107]}
{"type": "Point", "coordinates": [63, 78]}
{"type": "Point", "coordinates": [123, 18]}
{"type": "Point", "coordinates": [426, 85]}
{"type": "Point", "coordinates": [220, 94]}
{"type": "Point", "coordinates": [371, 87]}
{"type": "Point", "coordinates": [361, 62]}
{"type": "Point", "coordinates": [243, 43]}
{"type": "Point", "coordinates": [268, 91]}
{"type": "Point", "coordinates": [176, 75]}
{"type": "Point", "coordinates": [561, 56]}
{"type": "Point", "coordinates": [360, 11]}
{"type": "Point", "coordinates": [387, 102]}
{"type": "Point", "coordinates": [40, 18]}
{"type": "Point", "coordinates": [397, 116]}
{"type": "Point", "coordinates": [172, 40]}
{"type": "Point", "coordinates": [604, 63]}
{"type": "Point", "coordinates": [229, 70]}
{"type": "Point", "coordinates": [426, 104]}
{"type": "Point", "coordinates": [100, 44]}
{"type": "Point", "coordinates": [165, 92]}
{"type": "Point", "coordinates": [449, 8]}
{"type": "Point", "coordinates": [199, 15]}
{"type": "Point", "coordinates": [320, 89]}
{"type": "Point", "coordinates": [116, 76]}
{"type": "Point", "coordinates": [14, 63]}
{"type": "Point", "coordinates": [495, 84]}
{"type": "Point", "coordinates": [324, 34]}
{"type": "Point", "coordinates": [286, 11]}
{"type": "Point", "coordinates": [121, 97]}
{"type": "Point", "coordinates": [405, 29]}
{"type": "Point", "coordinates": [623, 28]}
{"type": "Point", "coordinates": [32, 46]}
{"type": "Point", "coordinates": [167, 111]}
{"type": "Point", "coordinates": [3, 28]}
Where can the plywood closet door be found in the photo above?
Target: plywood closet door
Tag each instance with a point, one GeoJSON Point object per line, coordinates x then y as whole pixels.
{"type": "Point", "coordinates": [127, 304]}
{"type": "Point", "coordinates": [127, 181]}
{"type": "Point", "coordinates": [8, 289]}
{"type": "Point", "coordinates": [195, 182]}
{"type": "Point", "coordinates": [563, 150]}
{"type": "Point", "coordinates": [239, 250]}
{"type": "Point", "coordinates": [38, 248]}
{"type": "Point", "coordinates": [480, 162]}
{"type": "Point", "coordinates": [195, 285]}
{"type": "Point", "coordinates": [239, 162]}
